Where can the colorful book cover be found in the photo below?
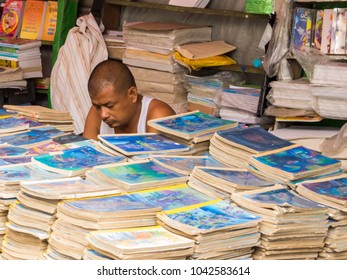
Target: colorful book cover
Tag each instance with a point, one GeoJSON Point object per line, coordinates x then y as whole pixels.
{"type": "Point", "coordinates": [32, 20]}
{"type": "Point", "coordinates": [132, 144]}
{"type": "Point", "coordinates": [46, 148]}
{"type": "Point", "coordinates": [50, 21]}
{"type": "Point", "coordinates": [302, 27]}
{"type": "Point", "coordinates": [12, 125]}
{"type": "Point", "coordinates": [281, 197]}
{"type": "Point", "coordinates": [186, 164]}
{"type": "Point", "coordinates": [212, 217]}
{"type": "Point", "coordinates": [68, 138]}
{"type": "Point", "coordinates": [139, 173]}
{"type": "Point", "coordinates": [254, 139]}
{"type": "Point", "coordinates": [318, 29]}
{"type": "Point", "coordinates": [74, 160]}
{"type": "Point", "coordinates": [326, 31]}
{"type": "Point", "coordinates": [15, 160]}
{"type": "Point", "coordinates": [190, 124]}
{"type": "Point", "coordinates": [296, 160]}
{"type": "Point", "coordinates": [237, 177]}
{"type": "Point", "coordinates": [25, 138]}
{"type": "Point", "coordinates": [338, 45]}
{"type": "Point", "coordinates": [11, 18]}
{"type": "Point", "coordinates": [6, 151]}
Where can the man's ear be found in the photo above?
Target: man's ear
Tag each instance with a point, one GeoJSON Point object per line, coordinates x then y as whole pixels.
{"type": "Point", "coordinates": [133, 93]}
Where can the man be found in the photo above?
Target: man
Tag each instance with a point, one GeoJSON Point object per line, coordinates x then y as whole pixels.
{"type": "Point", "coordinates": [117, 105]}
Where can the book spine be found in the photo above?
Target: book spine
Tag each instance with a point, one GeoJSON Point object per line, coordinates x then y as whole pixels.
{"type": "Point", "coordinates": [318, 29]}
{"type": "Point", "coordinates": [9, 63]}
{"type": "Point", "coordinates": [326, 31]}
{"type": "Point", "coordinates": [340, 24]}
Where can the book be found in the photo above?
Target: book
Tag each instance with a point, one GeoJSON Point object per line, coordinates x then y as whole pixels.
{"type": "Point", "coordinates": [148, 143]}
{"type": "Point", "coordinates": [302, 29]}
{"type": "Point", "coordinates": [318, 29]}
{"type": "Point", "coordinates": [66, 188]}
{"type": "Point", "coordinates": [74, 162]}
{"type": "Point", "coordinates": [11, 125]}
{"type": "Point", "coordinates": [11, 18]}
{"type": "Point", "coordinates": [191, 124]}
{"type": "Point", "coordinates": [338, 38]}
{"type": "Point", "coordinates": [9, 151]}
{"type": "Point", "coordinates": [185, 164]}
{"type": "Point", "coordinates": [50, 21]}
{"type": "Point", "coordinates": [15, 160]}
{"type": "Point", "coordinates": [294, 162]}
{"type": "Point", "coordinates": [139, 175]}
{"type": "Point", "coordinates": [33, 16]}
{"type": "Point", "coordinates": [8, 74]}
{"type": "Point", "coordinates": [326, 31]}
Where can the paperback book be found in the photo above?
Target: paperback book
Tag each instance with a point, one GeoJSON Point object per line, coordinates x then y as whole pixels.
{"type": "Point", "coordinates": [11, 125]}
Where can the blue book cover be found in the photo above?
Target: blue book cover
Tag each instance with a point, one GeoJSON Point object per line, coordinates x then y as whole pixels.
{"type": "Point", "coordinates": [254, 139]}
{"type": "Point", "coordinates": [7, 151]}
{"type": "Point", "coordinates": [75, 161]}
{"type": "Point", "coordinates": [217, 216]}
{"type": "Point", "coordinates": [140, 174]}
{"type": "Point", "coordinates": [294, 162]}
{"type": "Point", "coordinates": [186, 164]}
{"type": "Point", "coordinates": [302, 29]}
{"type": "Point", "coordinates": [12, 125]}
{"type": "Point", "coordinates": [15, 160]}
{"type": "Point", "coordinates": [133, 144]}
{"type": "Point", "coordinates": [189, 125]}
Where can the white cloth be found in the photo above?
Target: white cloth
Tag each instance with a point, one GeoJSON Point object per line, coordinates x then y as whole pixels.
{"type": "Point", "coordinates": [84, 48]}
{"type": "Point", "coordinates": [141, 125]}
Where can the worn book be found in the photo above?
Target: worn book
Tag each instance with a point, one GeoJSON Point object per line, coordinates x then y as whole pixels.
{"type": "Point", "coordinates": [185, 164]}
{"type": "Point", "coordinates": [147, 143]}
{"type": "Point", "coordinates": [11, 18]}
{"type": "Point", "coordinates": [191, 124]}
{"type": "Point", "coordinates": [294, 162]}
{"type": "Point", "coordinates": [66, 188]}
{"type": "Point", "coordinates": [139, 175]}
{"type": "Point", "coordinates": [74, 162]}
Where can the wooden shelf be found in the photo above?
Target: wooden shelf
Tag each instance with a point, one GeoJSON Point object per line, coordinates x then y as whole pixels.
{"type": "Point", "coordinates": [205, 11]}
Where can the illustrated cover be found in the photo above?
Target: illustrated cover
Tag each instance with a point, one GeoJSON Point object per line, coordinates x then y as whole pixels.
{"type": "Point", "coordinates": [174, 197]}
{"type": "Point", "coordinates": [318, 29]}
{"type": "Point", "coordinates": [25, 139]}
{"type": "Point", "coordinates": [46, 148]}
{"type": "Point", "coordinates": [8, 151]}
{"type": "Point", "coordinates": [50, 21]}
{"type": "Point", "coordinates": [12, 125]}
{"type": "Point", "coordinates": [191, 124]}
{"type": "Point", "coordinates": [132, 144]}
{"type": "Point", "coordinates": [186, 164]}
{"type": "Point", "coordinates": [33, 16]}
{"type": "Point", "coordinates": [254, 139]}
{"type": "Point", "coordinates": [21, 172]}
{"type": "Point", "coordinates": [212, 217]}
{"type": "Point", "coordinates": [140, 173]}
{"type": "Point", "coordinates": [296, 161]}
{"type": "Point", "coordinates": [75, 160]}
{"type": "Point", "coordinates": [339, 27]}
{"type": "Point", "coordinates": [327, 31]}
{"type": "Point", "coordinates": [68, 138]}
{"type": "Point", "coordinates": [15, 160]}
{"type": "Point", "coordinates": [136, 240]}
{"type": "Point", "coordinates": [66, 188]}
{"type": "Point", "coordinates": [11, 18]}
{"type": "Point", "coordinates": [240, 178]}
{"type": "Point", "coordinates": [302, 30]}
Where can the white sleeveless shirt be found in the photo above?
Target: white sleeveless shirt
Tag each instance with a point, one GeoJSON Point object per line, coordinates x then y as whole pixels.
{"type": "Point", "coordinates": [141, 126]}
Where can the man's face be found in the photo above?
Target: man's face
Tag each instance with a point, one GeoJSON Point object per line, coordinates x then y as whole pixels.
{"type": "Point", "coordinates": [115, 108]}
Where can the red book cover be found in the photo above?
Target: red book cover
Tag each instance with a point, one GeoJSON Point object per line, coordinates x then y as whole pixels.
{"type": "Point", "coordinates": [11, 18]}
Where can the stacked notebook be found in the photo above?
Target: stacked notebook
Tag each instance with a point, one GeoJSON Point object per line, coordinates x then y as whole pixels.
{"type": "Point", "coordinates": [292, 226]}
{"type": "Point", "coordinates": [220, 230]}
{"type": "Point", "coordinates": [331, 192]}
{"type": "Point", "coordinates": [233, 147]}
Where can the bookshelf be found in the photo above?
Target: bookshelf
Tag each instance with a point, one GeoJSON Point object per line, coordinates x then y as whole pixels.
{"type": "Point", "coordinates": [110, 12]}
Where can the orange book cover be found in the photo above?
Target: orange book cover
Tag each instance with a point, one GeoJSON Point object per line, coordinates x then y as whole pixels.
{"type": "Point", "coordinates": [32, 20]}
{"type": "Point", "coordinates": [50, 21]}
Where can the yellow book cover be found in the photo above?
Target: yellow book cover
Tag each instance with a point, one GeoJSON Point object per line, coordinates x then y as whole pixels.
{"type": "Point", "coordinates": [32, 20]}
{"type": "Point", "coordinates": [50, 21]}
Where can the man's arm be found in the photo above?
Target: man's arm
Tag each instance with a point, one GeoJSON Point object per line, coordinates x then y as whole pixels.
{"type": "Point", "coordinates": [92, 124]}
{"type": "Point", "coordinates": [158, 109]}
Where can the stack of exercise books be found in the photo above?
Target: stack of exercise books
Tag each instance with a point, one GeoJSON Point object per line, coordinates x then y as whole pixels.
{"type": "Point", "coordinates": [137, 144]}
{"type": "Point", "coordinates": [58, 119]}
{"type": "Point", "coordinates": [221, 182]}
{"type": "Point", "coordinates": [115, 44]}
{"type": "Point", "coordinates": [192, 128]}
{"type": "Point", "coordinates": [138, 175]}
{"type": "Point", "coordinates": [220, 230]}
{"type": "Point", "coordinates": [76, 161]}
{"type": "Point", "coordinates": [292, 227]}
{"type": "Point", "coordinates": [233, 147]}
{"type": "Point", "coordinates": [141, 243]}
{"type": "Point", "coordinates": [330, 191]}
{"type": "Point", "coordinates": [293, 163]}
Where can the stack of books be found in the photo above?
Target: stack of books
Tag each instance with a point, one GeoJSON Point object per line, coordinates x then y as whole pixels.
{"type": "Point", "coordinates": [115, 44]}
{"type": "Point", "coordinates": [23, 53]}
{"type": "Point", "coordinates": [149, 45]}
{"type": "Point", "coordinates": [194, 128]}
{"type": "Point", "coordinates": [292, 227]}
{"type": "Point", "coordinates": [225, 181]}
{"type": "Point", "coordinates": [58, 119]}
{"type": "Point", "coordinates": [234, 146]}
{"type": "Point", "coordinates": [331, 192]}
{"type": "Point", "coordinates": [230, 233]}
{"type": "Point", "coordinates": [141, 243]}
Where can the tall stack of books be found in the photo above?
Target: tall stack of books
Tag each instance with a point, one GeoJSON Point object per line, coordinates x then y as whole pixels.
{"type": "Point", "coordinates": [149, 45]}
{"type": "Point", "coordinates": [292, 227]}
